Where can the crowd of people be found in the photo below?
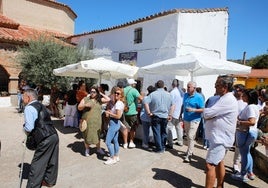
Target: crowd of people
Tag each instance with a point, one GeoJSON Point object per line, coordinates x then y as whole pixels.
{"type": "Point", "coordinates": [234, 117]}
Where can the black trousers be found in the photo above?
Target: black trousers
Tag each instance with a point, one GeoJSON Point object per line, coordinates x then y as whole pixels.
{"type": "Point", "coordinates": [44, 164]}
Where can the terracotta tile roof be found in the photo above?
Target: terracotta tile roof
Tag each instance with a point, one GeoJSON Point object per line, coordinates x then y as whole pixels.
{"type": "Point", "coordinates": [160, 14]}
{"type": "Point", "coordinates": [12, 32]}
{"type": "Point", "coordinates": [255, 73]}
{"type": "Point", "coordinates": [8, 23]}
{"type": "Point", "coordinates": [60, 5]}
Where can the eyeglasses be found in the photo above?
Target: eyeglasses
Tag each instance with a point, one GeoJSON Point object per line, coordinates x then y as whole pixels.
{"type": "Point", "coordinates": [93, 92]}
{"type": "Point", "coordinates": [117, 93]}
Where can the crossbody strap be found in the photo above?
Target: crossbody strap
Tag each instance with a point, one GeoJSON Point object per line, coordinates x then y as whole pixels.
{"type": "Point", "coordinates": [126, 97]}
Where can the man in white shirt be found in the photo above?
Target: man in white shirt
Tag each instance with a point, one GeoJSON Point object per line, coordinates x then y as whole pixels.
{"type": "Point", "coordinates": [220, 130]}
{"type": "Point", "coordinates": [177, 99]}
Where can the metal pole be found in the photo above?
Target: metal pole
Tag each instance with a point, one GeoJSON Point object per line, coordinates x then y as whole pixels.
{"type": "Point", "coordinates": [22, 161]}
{"type": "Point", "coordinates": [23, 154]}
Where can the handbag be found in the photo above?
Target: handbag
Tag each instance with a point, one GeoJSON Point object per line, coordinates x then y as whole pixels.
{"type": "Point", "coordinates": [126, 107]}
{"type": "Point", "coordinates": [83, 122]}
{"type": "Point", "coordinates": [82, 125]}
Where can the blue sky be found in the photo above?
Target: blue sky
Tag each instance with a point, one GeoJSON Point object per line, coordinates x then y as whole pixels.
{"type": "Point", "coordinates": [248, 19]}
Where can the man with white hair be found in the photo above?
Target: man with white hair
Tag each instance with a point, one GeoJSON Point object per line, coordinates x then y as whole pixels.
{"type": "Point", "coordinates": [132, 96]}
{"type": "Point", "coordinates": [193, 106]}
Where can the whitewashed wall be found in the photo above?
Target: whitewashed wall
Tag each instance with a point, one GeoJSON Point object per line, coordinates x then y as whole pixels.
{"type": "Point", "coordinates": [166, 37]}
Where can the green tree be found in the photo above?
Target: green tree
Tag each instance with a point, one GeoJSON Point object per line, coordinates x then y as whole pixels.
{"type": "Point", "coordinates": [259, 62]}
{"type": "Point", "coordinates": [41, 56]}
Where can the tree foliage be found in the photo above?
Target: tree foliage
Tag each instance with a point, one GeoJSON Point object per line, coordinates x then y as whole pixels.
{"type": "Point", "coordinates": [41, 56]}
{"type": "Point", "coordinates": [259, 62]}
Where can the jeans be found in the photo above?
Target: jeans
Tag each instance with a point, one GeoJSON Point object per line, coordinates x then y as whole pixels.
{"type": "Point", "coordinates": [19, 96]}
{"type": "Point", "coordinates": [159, 126]}
{"type": "Point", "coordinates": [146, 130]}
{"type": "Point", "coordinates": [244, 142]}
{"type": "Point", "coordinates": [179, 130]}
{"type": "Point", "coordinates": [205, 141]}
{"type": "Point", "coordinates": [112, 137]}
{"type": "Point", "coordinates": [201, 129]}
{"type": "Point", "coordinates": [190, 128]}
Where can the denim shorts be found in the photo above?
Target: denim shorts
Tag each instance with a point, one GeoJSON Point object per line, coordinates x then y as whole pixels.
{"type": "Point", "coordinates": [216, 154]}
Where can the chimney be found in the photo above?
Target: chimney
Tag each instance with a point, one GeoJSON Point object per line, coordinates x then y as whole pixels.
{"type": "Point", "coordinates": [244, 58]}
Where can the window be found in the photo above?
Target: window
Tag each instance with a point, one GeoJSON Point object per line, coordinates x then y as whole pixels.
{"type": "Point", "coordinates": [138, 35]}
{"type": "Point", "coordinates": [90, 43]}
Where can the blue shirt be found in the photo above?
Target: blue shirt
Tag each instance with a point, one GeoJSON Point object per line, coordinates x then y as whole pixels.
{"type": "Point", "coordinates": [30, 115]}
{"type": "Point", "coordinates": [143, 115]}
{"type": "Point", "coordinates": [195, 101]}
{"type": "Point", "coordinates": [159, 102]}
{"type": "Point", "coordinates": [212, 100]}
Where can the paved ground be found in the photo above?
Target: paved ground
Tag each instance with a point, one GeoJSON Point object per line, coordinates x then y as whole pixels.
{"type": "Point", "coordinates": [137, 167]}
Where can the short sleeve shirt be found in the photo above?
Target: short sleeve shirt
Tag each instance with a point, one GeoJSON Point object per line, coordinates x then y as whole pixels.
{"type": "Point", "coordinates": [194, 101]}
{"type": "Point", "coordinates": [131, 95]}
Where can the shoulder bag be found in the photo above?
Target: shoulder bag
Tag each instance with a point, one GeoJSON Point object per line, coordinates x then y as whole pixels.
{"type": "Point", "coordinates": [83, 122]}
{"type": "Point", "coordinates": [126, 107]}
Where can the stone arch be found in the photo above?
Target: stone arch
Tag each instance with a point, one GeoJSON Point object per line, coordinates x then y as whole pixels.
{"type": "Point", "coordinates": [4, 79]}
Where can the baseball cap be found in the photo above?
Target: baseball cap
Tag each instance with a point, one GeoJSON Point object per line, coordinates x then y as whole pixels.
{"type": "Point", "coordinates": [131, 81]}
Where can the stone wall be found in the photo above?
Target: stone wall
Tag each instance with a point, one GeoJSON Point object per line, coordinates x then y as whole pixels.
{"type": "Point", "coordinates": [8, 61]}
{"type": "Point", "coordinates": [260, 160]}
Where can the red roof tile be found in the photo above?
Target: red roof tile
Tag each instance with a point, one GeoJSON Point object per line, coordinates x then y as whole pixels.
{"type": "Point", "coordinates": [61, 5]}
{"type": "Point", "coordinates": [8, 23]}
{"type": "Point", "coordinates": [13, 32]}
{"type": "Point", "coordinates": [255, 73]}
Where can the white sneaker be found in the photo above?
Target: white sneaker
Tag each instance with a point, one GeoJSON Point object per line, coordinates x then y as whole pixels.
{"type": "Point", "coordinates": [131, 145]}
{"type": "Point", "coordinates": [100, 151]}
{"type": "Point", "coordinates": [125, 146]}
{"type": "Point", "coordinates": [87, 152]}
{"type": "Point", "coordinates": [236, 168]}
{"type": "Point", "coordinates": [110, 161]}
{"type": "Point", "coordinates": [240, 177]}
{"type": "Point", "coordinates": [187, 159]}
{"type": "Point", "coordinates": [117, 159]}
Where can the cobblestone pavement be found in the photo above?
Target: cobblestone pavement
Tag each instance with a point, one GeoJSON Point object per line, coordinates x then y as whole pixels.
{"type": "Point", "coordinates": [137, 167]}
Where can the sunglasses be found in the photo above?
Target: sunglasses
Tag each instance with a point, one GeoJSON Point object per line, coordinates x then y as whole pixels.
{"type": "Point", "coordinates": [93, 92]}
{"type": "Point", "coordinates": [117, 93]}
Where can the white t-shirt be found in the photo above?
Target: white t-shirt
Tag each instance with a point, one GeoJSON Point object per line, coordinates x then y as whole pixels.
{"type": "Point", "coordinates": [241, 105]}
{"type": "Point", "coordinates": [119, 105]}
{"type": "Point", "coordinates": [250, 111]}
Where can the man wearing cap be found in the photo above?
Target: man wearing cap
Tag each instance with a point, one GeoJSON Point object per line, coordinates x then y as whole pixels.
{"type": "Point", "coordinates": [132, 96]}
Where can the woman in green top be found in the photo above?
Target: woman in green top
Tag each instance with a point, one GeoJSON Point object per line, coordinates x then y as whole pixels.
{"type": "Point", "coordinates": [91, 107]}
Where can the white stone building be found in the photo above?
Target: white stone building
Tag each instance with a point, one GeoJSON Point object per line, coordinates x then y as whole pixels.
{"type": "Point", "coordinates": [162, 36]}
